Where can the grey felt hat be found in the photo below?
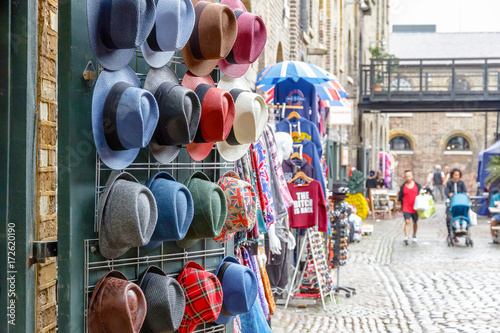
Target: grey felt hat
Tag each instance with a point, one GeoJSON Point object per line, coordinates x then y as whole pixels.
{"type": "Point", "coordinates": [127, 215]}
{"type": "Point", "coordinates": [117, 27]}
{"type": "Point", "coordinates": [180, 111]}
{"type": "Point", "coordinates": [165, 299]}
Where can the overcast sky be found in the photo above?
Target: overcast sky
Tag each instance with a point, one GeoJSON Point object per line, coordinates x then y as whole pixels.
{"type": "Point", "coordinates": [449, 15]}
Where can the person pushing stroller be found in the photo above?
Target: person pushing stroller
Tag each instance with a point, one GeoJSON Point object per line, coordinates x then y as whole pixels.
{"type": "Point", "coordinates": [455, 186]}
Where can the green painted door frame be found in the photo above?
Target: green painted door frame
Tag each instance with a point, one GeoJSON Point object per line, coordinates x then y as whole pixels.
{"type": "Point", "coordinates": [18, 66]}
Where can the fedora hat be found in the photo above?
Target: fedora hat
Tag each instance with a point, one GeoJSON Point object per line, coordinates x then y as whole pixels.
{"type": "Point", "coordinates": [117, 27]}
{"type": "Point", "coordinates": [217, 115]}
{"type": "Point", "coordinates": [117, 305]}
{"type": "Point", "coordinates": [210, 209]}
{"type": "Point", "coordinates": [284, 145]}
{"type": "Point", "coordinates": [213, 36]}
{"type": "Point", "coordinates": [166, 301]}
{"type": "Point", "coordinates": [339, 190]}
{"type": "Point", "coordinates": [250, 41]}
{"type": "Point", "coordinates": [175, 209]}
{"type": "Point", "coordinates": [180, 111]}
{"type": "Point", "coordinates": [203, 293]}
{"type": "Point", "coordinates": [239, 289]}
{"type": "Point", "coordinates": [173, 26]}
{"type": "Point", "coordinates": [127, 215]}
{"type": "Point", "coordinates": [241, 206]}
{"type": "Point", "coordinates": [124, 117]}
{"type": "Point", "coordinates": [249, 122]}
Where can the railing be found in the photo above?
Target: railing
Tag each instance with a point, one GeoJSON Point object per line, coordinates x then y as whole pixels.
{"type": "Point", "coordinates": [430, 79]}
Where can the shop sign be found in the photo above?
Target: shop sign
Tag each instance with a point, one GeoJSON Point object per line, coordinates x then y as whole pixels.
{"type": "Point", "coordinates": [344, 160]}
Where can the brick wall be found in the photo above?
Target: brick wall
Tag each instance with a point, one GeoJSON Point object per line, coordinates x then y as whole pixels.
{"type": "Point", "coordinates": [430, 133]}
{"type": "Point", "coordinates": [46, 205]}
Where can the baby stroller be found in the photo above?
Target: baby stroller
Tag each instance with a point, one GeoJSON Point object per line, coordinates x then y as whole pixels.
{"type": "Point", "coordinates": [457, 215]}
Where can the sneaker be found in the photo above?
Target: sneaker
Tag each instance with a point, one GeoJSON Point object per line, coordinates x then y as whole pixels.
{"type": "Point", "coordinates": [414, 239]}
{"type": "Point", "coordinates": [456, 240]}
{"type": "Point", "coordinates": [406, 241]}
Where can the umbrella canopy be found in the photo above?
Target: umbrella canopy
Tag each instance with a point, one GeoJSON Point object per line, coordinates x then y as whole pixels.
{"type": "Point", "coordinates": [327, 86]}
{"type": "Point", "coordinates": [293, 70]}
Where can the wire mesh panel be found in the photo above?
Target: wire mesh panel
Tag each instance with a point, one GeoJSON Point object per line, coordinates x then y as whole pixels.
{"type": "Point", "coordinates": [169, 257]}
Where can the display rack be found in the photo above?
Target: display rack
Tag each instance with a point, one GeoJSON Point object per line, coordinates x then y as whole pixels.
{"type": "Point", "coordinates": [379, 202]}
{"type": "Point", "coordinates": [339, 236]}
{"type": "Point", "coordinates": [277, 111]}
{"type": "Point", "coordinates": [307, 255]}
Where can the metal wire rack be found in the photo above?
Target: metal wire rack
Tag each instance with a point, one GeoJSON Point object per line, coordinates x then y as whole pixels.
{"type": "Point", "coordinates": [168, 257]}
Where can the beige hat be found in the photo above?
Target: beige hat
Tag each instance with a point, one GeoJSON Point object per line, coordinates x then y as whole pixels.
{"type": "Point", "coordinates": [249, 122]}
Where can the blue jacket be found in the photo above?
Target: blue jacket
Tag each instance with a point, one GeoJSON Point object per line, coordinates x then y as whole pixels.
{"type": "Point", "coordinates": [303, 95]}
{"type": "Point", "coordinates": [309, 149]}
{"type": "Point", "coordinates": [307, 129]}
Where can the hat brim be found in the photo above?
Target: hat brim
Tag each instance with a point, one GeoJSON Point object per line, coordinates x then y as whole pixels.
{"type": "Point", "coordinates": [228, 83]}
{"type": "Point", "coordinates": [104, 247]}
{"type": "Point", "coordinates": [115, 159]}
{"type": "Point", "coordinates": [233, 70]}
{"type": "Point", "coordinates": [163, 154]}
{"type": "Point", "coordinates": [187, 243]}
{"type": "Point", "coordinates": [108, 58]}
{"type": "Point", "coordinates": [232, 153]}
{"type": "Point", "coordinates": [199, 151]}
{"type": "Point", "coordinates": [155, 59]}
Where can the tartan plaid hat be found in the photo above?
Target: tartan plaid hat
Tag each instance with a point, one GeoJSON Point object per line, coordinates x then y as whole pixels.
{"type": "Point", "coordinates": [241, 206]}
{"type": "Point", "coordinates": [203, 293]}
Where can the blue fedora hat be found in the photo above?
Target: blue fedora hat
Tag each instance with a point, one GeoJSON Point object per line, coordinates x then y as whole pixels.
{"type": "Point", "coordinates": [124, 117]}
{"type": "Point", "coordinates": [175, 209]}
{"type": "Point", "coordinates": [173, 27]}
{"type": "Point", "coordinates": [117, 27]}
{"type": "Point", "coordinates": [239, 289]}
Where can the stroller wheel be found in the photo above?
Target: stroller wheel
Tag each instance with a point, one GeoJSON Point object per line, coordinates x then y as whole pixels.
{"type": "Point", "coordinates": [467, 241]}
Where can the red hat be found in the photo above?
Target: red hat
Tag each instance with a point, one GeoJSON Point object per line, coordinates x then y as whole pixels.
{"type": "Point", "coordinates": [203, 293]}
{"type": "Point", "coordinates": [250, 41]}
{"type": "Point", "coordinates": [217, 115]}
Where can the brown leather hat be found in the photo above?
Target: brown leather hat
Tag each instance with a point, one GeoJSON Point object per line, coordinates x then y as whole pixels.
{"type": "Point", "coordinates": [213, 37]}
{"type": "Point", "coordinates": [117, 305]}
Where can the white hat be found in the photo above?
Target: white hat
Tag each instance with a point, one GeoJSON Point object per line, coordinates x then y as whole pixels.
{"type": "Point", "coordinates": [284, 145]}
{"type": "Point", "coordinates": [249, 121]}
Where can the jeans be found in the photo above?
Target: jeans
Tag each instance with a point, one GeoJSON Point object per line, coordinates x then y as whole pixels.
{"type": "Point", "coordinates": [439, 189]}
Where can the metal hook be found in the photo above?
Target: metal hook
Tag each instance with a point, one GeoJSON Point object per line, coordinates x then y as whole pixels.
{"type": "Point", "coordinates": [147, 261]}
{"type": "Point", "coordinates": [109, 265]}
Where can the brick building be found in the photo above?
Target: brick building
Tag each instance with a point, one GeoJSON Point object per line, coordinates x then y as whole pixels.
{"type": "Point", "coordinates": [420, 141]}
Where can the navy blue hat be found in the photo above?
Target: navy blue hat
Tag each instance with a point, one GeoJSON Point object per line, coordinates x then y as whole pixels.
{"type": "Point", "coordinates": [175, 209]}
{"type": "Point", "coordinates": [239, 289]}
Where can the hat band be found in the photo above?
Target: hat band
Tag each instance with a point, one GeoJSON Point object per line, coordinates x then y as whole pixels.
{"type": "Point", "coordinates": [230, 57]}
{"type": "Point", "coordinates": [194, 40]}
{"type": "Point", "coordinates": [153, 41]}
{"type": "Point", "coordinates": [231, 138]}
{"type": "Point", "coordinates": [109, 115]}
{"type": "Point", "coordinates": [220, 275]}
{"type": "Point", "coordinates": [161, 134]}
{"type": "Point", "coordinates": [201, 90]}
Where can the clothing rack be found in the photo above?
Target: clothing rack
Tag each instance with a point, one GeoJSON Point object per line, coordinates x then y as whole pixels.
{"type": "Point", "coordinates": [277, 111]}
{"type": "Point", "coordinates": [297, 279]}
{"type": "Point", "coordinates": [339, 224]}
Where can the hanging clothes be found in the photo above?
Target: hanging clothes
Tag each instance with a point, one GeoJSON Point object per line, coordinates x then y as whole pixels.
{"type": "Point", "coordinates": [309, 206]}
{"type": "Point", "coordinates": [292, 166]}
{"type": "Point", "coordinates": [306, 129]}
{"type": "Point", "coordinates": [281, 196]}
{"type": "Point", "coordinates": [261, 169]}
{"type": "Point", "coordinates": [303, 95]}
{"type": "Point", "coordinates": [306, 147]}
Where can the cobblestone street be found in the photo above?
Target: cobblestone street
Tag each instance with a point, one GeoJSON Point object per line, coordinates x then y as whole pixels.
{"type": "Point", "coordinates": [424, 287]}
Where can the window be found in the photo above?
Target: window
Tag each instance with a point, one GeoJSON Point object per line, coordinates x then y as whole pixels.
{"type": "Point", "coordinates": [303, 18]}
{"type": "Point", "coordinates": [400, 143]}
{"type": "Point", "coordinates": [458, 143]}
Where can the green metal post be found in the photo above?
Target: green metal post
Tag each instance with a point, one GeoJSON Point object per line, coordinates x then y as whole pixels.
{"type": "Point", "coordinates": [18, 65]}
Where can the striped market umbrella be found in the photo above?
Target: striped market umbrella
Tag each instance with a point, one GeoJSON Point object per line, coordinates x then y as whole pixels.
{"type": "Point", "coordinates": [326, 84]}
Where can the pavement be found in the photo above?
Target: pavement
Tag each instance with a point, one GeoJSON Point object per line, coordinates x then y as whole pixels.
{"type": "Point", "coordinates": [422, 287]}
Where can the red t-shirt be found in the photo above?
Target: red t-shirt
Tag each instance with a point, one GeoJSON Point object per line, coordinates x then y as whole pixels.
{"type": "Point", "coordinates": [409, 195]}
{"type": "Point", "coordinates": [309, 206]}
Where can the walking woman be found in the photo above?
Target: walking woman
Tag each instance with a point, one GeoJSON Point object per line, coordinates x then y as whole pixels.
{"type": "Point", "coordinates": [453, 186]}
